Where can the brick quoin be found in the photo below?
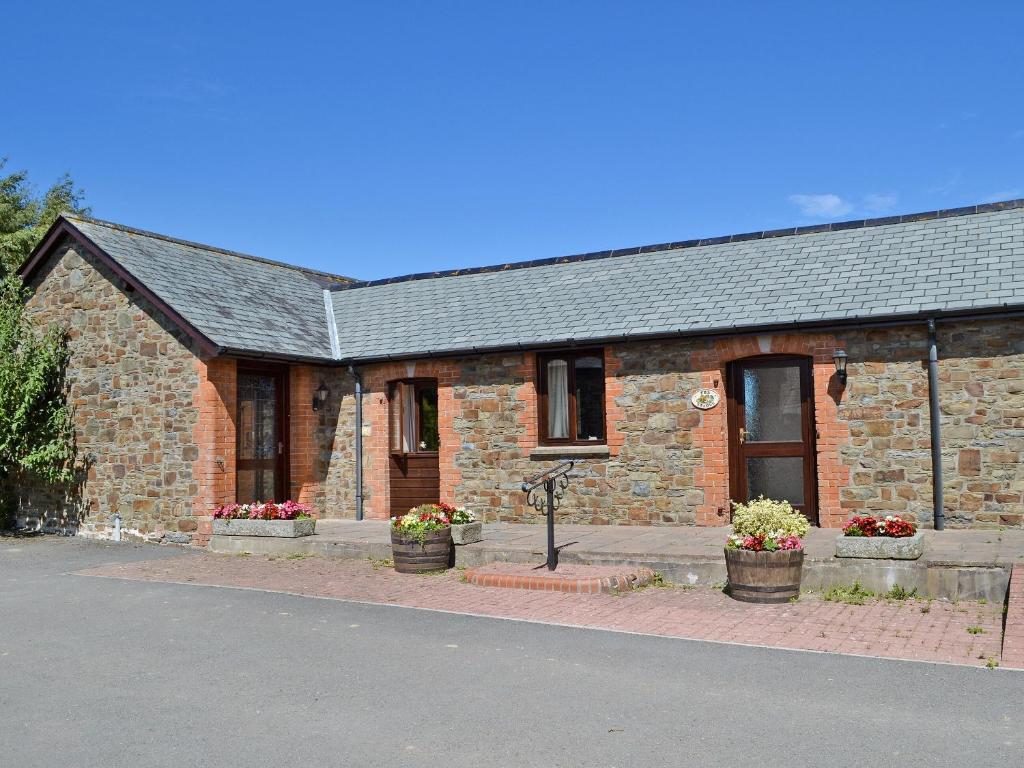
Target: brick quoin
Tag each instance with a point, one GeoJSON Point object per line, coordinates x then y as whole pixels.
{"type": "Point", "coordinates": [376, 481]}
{"type": "Point", "coordinates": [712, 438]}
{"type": "Point", "coordinates": [215, 435]}
{"type": "Point", "coordinates": [303, 484]}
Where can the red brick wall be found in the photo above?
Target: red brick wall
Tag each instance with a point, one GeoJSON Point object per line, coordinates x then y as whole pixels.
{"type": "Point", "coordinates": [215, 434]}
{"type": "Point", "coordinates": [375, 415]}
{"type": "Point", "coordinates": [302, 445]}
{"type": "Point", "coordinates": [711, 435]}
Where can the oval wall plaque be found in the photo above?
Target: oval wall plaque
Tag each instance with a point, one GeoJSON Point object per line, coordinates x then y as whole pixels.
{"type": "Point", "coordinates": [705, 399]}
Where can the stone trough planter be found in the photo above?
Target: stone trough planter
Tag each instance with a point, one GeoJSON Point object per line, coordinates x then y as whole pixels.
{"type": "Point", "coordinates": [287, 529]}
{"type": "Point", "coordinates": [881, 547]}
{"type": "Point", "coordinates": [468, 533]}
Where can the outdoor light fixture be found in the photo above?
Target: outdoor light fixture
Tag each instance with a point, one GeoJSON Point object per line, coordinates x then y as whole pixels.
{"type": "Point", "coordinates": [839, 358]}
{"type": "Point", "coordinates": [320, 396]}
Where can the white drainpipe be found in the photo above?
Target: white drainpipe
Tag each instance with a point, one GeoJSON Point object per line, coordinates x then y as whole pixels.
{"type": "Point", "coordinates": [117, 526]}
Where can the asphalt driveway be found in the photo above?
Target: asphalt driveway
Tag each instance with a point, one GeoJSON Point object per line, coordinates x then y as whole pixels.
{"type": "Point", "coordinates": [104, 672]}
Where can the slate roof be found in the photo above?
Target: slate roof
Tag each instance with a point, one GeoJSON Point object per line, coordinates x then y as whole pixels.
{"type": "Point", "coordinates": [943, 262]}
{"type": "Point", "coordinates": [240, 302]}
{"type": "Point", "coordinates": [940, 262]}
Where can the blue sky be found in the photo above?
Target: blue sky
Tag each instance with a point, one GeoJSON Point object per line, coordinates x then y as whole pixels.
{"type": "Point", "coordinates": [380, 138]}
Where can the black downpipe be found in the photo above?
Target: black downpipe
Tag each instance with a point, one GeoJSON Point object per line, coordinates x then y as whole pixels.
{"type": "Point", "coordinates": [357, 377]}
{"type": "Point", "coordinates": [933, 417]}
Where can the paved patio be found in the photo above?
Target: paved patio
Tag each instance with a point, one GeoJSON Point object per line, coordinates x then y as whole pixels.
{"type": "Point", "coordinates": [923, 630]}
{"type": "Point", "coordinates": [957, 564]}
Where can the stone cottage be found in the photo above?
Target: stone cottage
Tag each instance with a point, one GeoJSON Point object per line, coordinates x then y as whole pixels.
{"type": "Point", "coordinates": [791, 363]}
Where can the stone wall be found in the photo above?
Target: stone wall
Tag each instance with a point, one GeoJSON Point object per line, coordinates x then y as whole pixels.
{"type": "Point", "coordinates": [886, 408]}
{"type": "Point", "coordinates": [667, 462]}
{"type": "Point", "coordinates": [132, 379]}
{"type": "Point", "coordinates": [156, 423]}
{"type": "Point", "coordinates": [981, 385]}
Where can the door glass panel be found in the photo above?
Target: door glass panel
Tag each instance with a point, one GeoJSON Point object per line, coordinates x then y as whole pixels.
{"type": "Point", "coordinates": [257, 402]}
{"type": "Point", "coordinates": [589, 398]}
{"type": "Point", "coordinates": [427, 401]}
{"type": "Point", "coordinates": [256, 485]}
{"type": "Point", "coordinates": [776, 477]}
{"type": "Point", "coordinates": [771, 403]}
{"type": "Point", "coordinates": [257, 438]}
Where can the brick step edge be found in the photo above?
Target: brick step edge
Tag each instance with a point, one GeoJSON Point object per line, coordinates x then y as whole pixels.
{"type": "Point", "coordinates": [546, 582]}
{"type": "Point", "coordinates": [1013, 635]}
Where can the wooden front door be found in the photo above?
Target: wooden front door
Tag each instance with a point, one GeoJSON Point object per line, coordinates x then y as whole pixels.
{"type": "Point", "coordinates": [414, 441]}
{"type": "Point", "coordinates": [262, 459]}
{"type": "Point", "coordinates": [771, 432]}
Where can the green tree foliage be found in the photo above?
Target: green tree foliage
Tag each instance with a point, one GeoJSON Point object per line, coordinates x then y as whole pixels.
{"type": "Point", "coordinates": [25, 216]}
{"type": "Point", "coordinates": [36, 432]}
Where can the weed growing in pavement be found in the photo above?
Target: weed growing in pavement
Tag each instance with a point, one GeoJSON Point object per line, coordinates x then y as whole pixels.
{"type": "Point", "coordinates": [975, 630]}
{"type": "Point", "coordinates": [900, 593]}
{"type": "Point", "coordinates": [298, 556]}
{"type": "Point", "coordinates": [983, 601]}
{"type": "Point", "coordinates": [926, 607]}
{"type": "Point", "coordinates": [854, 594]}
{"type": "Point", "coordinates": [658, 581]}
{"type": "Point", "coordinates": [991, 663]}
{"type": "Point", "coordinates": [378, 563]}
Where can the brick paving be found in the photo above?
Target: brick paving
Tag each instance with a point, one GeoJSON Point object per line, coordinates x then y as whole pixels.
{"type": "Point", "coordinates": [914, 629]}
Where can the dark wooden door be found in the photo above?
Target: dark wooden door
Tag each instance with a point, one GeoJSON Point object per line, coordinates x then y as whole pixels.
{"type": "Point", "coordinates": [771, 432]}
{"type": "Point", "coordinates": [262, 458]}
{"type": "Point", "coordinates": [414, 470]}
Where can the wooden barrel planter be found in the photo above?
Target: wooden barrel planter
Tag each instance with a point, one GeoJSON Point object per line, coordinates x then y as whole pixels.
{"type": "Point", "coordinates": [764, 577]}
{"type": "Point", "coordinates": [432, 554]}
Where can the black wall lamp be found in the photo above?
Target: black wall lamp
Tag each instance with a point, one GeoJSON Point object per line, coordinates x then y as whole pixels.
{"type": "Point", "coordinates": [839, 358]}
{"type": "Point", "coordinates": [320, 396]}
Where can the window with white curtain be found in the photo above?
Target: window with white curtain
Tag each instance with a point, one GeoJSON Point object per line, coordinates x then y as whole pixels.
{"type": "Point", "coordinates": [412, 416]}
{"type": "Point", "coordinates": [571, 387]}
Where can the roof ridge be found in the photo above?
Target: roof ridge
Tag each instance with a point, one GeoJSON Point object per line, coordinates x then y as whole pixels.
{"type": "Point", "coordinates": [837, 226]}
{"type": "Point", "coordinates": [203, 246]}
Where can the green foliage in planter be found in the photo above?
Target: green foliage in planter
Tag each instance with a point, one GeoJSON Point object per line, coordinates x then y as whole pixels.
{"type": "Point", "coordinates": [768, 519]}
{"type": "Point", "coordinates": [420, 520]}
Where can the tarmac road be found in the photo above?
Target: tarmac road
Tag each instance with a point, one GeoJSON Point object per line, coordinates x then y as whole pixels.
{"type": "Point", "coordinates": [101, 672]}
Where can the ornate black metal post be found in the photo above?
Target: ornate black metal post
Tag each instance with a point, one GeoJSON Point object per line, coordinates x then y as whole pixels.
{"type": "Point", "coordinates": [555, 481]}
